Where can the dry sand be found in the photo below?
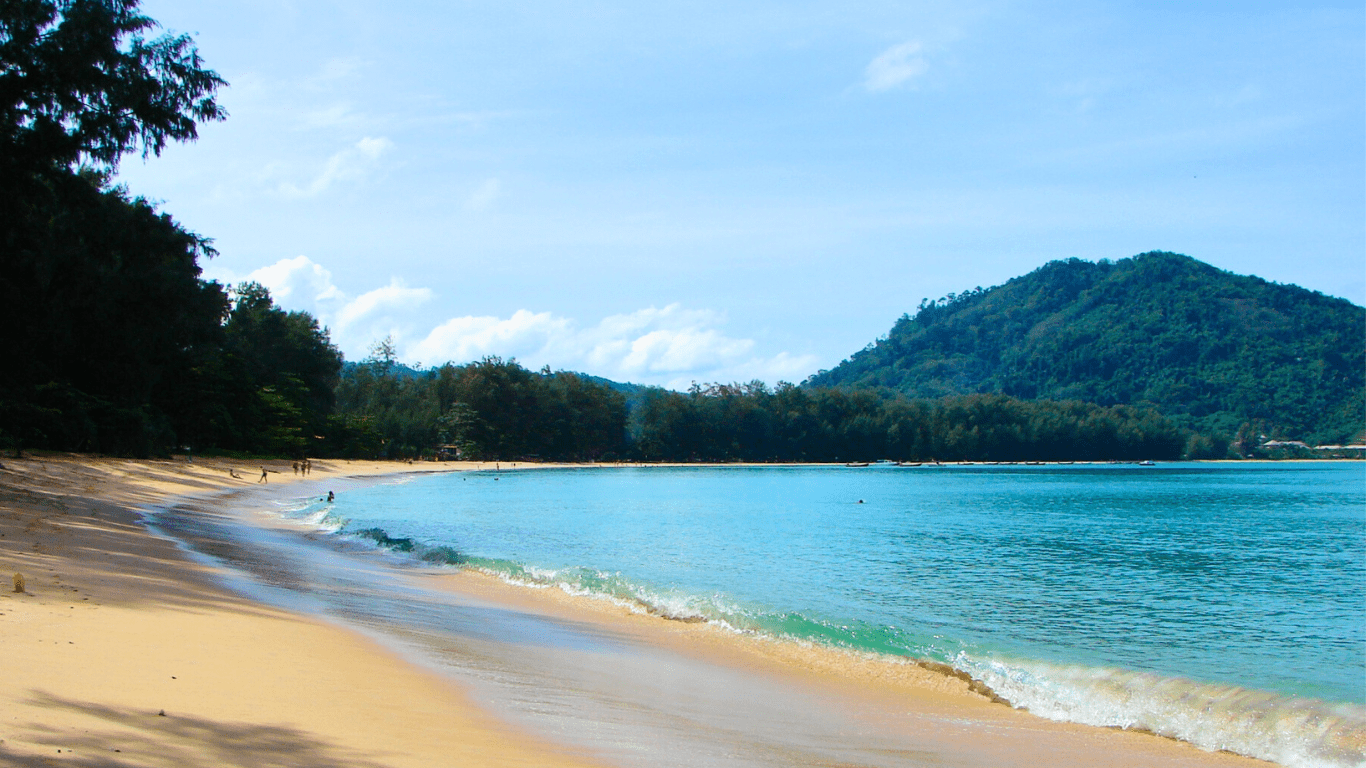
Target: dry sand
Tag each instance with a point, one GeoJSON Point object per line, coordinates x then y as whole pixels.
{"type": "Point", "coordinates": [117, 627]}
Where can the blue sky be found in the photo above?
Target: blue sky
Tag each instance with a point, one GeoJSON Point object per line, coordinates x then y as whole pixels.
{"type": "Point", "coordinates": [677, 192]}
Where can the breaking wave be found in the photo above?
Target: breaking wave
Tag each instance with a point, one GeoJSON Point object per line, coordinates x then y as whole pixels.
{"type": "Point", "coordinates": [1293, 731]}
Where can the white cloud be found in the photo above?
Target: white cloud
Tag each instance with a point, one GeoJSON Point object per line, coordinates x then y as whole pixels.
{"type": "Point", "coordinates": [484, 196]}
{"type": "Point", "coordinates": [349, 163]}
{"type": "Point", "coordinates": [671, 346]}
{"type": "Point", "coordinates": [295, 279]}
{"type": "Point", "coordinates": [524, 335]}
{"type": "Point", "coordinates": [302, 284]}
{"type": "Point", "coordinates": [395, 295]}
{"type": "Point", "coordinates": [895, 66]}
{"type": "Point", "coordinates": [331, 116]}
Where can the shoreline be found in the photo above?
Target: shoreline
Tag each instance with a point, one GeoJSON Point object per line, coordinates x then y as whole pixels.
{"type": "Point", "coordinates": [173, 603]}
{"type": "Point", "coordinates": [117, 626]}
{"type": "Point", "coordinates": [970, 724]}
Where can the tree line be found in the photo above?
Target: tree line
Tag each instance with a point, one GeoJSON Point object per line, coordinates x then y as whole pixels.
{"type": "Point", "coordinates": [490, 409]}
{"type": "Point", "coordinates": [495, 409]}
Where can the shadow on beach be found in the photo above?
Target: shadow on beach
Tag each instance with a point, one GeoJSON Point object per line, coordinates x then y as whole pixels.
{"type": "Point", "coordinates": [145, 738]}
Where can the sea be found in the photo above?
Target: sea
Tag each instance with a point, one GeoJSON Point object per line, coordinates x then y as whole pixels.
{"type": "Point", "coordinates": [1222, 604]}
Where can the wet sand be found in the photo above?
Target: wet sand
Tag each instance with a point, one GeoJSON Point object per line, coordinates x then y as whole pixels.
{"type": "Point", "coordinates": [119, 625]}
{"type": "Point", "coordinates": [908, 713]}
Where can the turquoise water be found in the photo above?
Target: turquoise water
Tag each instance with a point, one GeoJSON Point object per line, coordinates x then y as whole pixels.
{"type": "Point", "coordinates": [1220, 604]}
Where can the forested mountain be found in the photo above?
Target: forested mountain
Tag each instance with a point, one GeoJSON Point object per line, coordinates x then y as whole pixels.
{"type": "Point", "coordinates": [1215, 351]}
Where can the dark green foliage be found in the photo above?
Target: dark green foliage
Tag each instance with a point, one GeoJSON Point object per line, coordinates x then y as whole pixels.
{"type": "Point", "coordinates": [497, 410]}
{"type": "Point", "coordinates": [753, 423]}
{"type": "Point", "coordinates": [490, 409]}
{"type": "Point", "coordinates": [284, 370]}
{"type": "Point", "coordinates": [104, 316]}
{"type": "Point", "coordinates": [80, 82]}
{"type": "Point", "coordinates": [112, 341]}
{"type": "Point", "coordinates": [1210, 349]}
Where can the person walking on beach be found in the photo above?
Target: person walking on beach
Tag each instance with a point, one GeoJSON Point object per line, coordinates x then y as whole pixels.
{"type": "Point", "coordinates": [296, 467]}
{"type": "Point", "coordinates": [263, 476]}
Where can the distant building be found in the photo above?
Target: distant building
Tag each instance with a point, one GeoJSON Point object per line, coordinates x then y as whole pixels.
{"type": "Point", "coordinates": [1273, 444]}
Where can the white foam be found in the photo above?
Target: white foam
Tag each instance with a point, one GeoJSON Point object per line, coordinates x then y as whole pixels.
{"type": "Point", "coordinates": [1293, 731]}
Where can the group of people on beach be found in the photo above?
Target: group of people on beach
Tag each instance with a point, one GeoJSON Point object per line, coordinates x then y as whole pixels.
{"type": "Point", "coordinates": [300, 468]}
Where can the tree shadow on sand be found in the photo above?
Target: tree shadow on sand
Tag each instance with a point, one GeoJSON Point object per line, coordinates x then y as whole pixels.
{"type": "Point", "coordinates": [145, 738]}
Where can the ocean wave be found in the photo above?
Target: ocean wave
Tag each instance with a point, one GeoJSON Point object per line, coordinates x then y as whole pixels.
{"type": "Point", "coordinates": [674, 605]}
{"type": "Point", "coordinates": [1289, 730]}
{"type": "Point", "coordinates": [312, 512]}
{"type": "Point", "coordinates": [1292, 731]}
{"type": "Point", "coordinates": [434, 554]}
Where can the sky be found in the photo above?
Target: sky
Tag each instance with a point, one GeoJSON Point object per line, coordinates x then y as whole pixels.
{"type": "Point", "coordinates": [707, 191]}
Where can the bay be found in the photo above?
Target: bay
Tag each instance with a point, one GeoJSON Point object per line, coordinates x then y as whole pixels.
{"type": "Point", "coordinates": [1223, 604]}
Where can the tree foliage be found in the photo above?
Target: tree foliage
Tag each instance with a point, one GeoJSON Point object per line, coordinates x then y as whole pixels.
{"type": "Point", "coordinates": [495, 409]}
{"type": "Point", "coordinates": [103, 314]}
{"type": "Point", "coordinates": [489, 409]}
{"type": "Point", "coordinates": [80, 81]}
{"type": "Point", "coordinates": [754, 423]}
{"type": "Point", "coordinates": [111, 339]}
{"type": "Point", "coordinates": [1211, 349]}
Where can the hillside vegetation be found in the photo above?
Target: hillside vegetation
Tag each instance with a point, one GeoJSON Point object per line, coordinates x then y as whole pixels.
{"type": "Point", "coordinates": [1217, 352]}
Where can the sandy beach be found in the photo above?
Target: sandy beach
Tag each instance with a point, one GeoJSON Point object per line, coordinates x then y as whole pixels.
{"type": "Point", "coordinates": [122, 651]}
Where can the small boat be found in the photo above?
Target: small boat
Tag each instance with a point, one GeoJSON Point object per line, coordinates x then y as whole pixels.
{"type": "Point", "coordinates": [1146, 463]}
{"type": "Point", "coordinates": [908, 463]}
{"type": "Point", "coordinates": [857, 464]}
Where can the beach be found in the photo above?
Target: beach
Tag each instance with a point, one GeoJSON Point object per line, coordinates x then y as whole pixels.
{"type": "Point", "coordinates": [124, 651]}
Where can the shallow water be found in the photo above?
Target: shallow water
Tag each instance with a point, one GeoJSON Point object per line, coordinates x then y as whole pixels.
{"type": "Point", "coordinates": [1220, 604]}
{"type": "Point", "coordinates": [1199, 601]}
{"type": "Point", "coordinates": [629, 703]}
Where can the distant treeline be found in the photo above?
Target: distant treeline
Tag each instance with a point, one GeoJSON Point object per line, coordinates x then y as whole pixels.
{"type": "Point", "coordinates": [492, 409]}
{"type": "Point", "coordinates": [496, 409]}
{"type": "Point", "coordinates": [756, 423]}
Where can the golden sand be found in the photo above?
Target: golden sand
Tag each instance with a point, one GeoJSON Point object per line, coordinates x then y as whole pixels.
{"type": "Point", "coordinates": [123, 652]}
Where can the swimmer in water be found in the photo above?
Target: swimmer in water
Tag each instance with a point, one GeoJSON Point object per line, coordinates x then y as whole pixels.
{"type": "Point", "coordinates": [331, 497]}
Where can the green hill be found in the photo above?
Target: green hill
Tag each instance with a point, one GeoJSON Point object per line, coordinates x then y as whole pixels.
{"type": "Point", "coordinates": [1213, 350]}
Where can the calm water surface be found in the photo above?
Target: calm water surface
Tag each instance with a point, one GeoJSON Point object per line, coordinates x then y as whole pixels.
{"type": "Point", "coordinates": [1250, 575]}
